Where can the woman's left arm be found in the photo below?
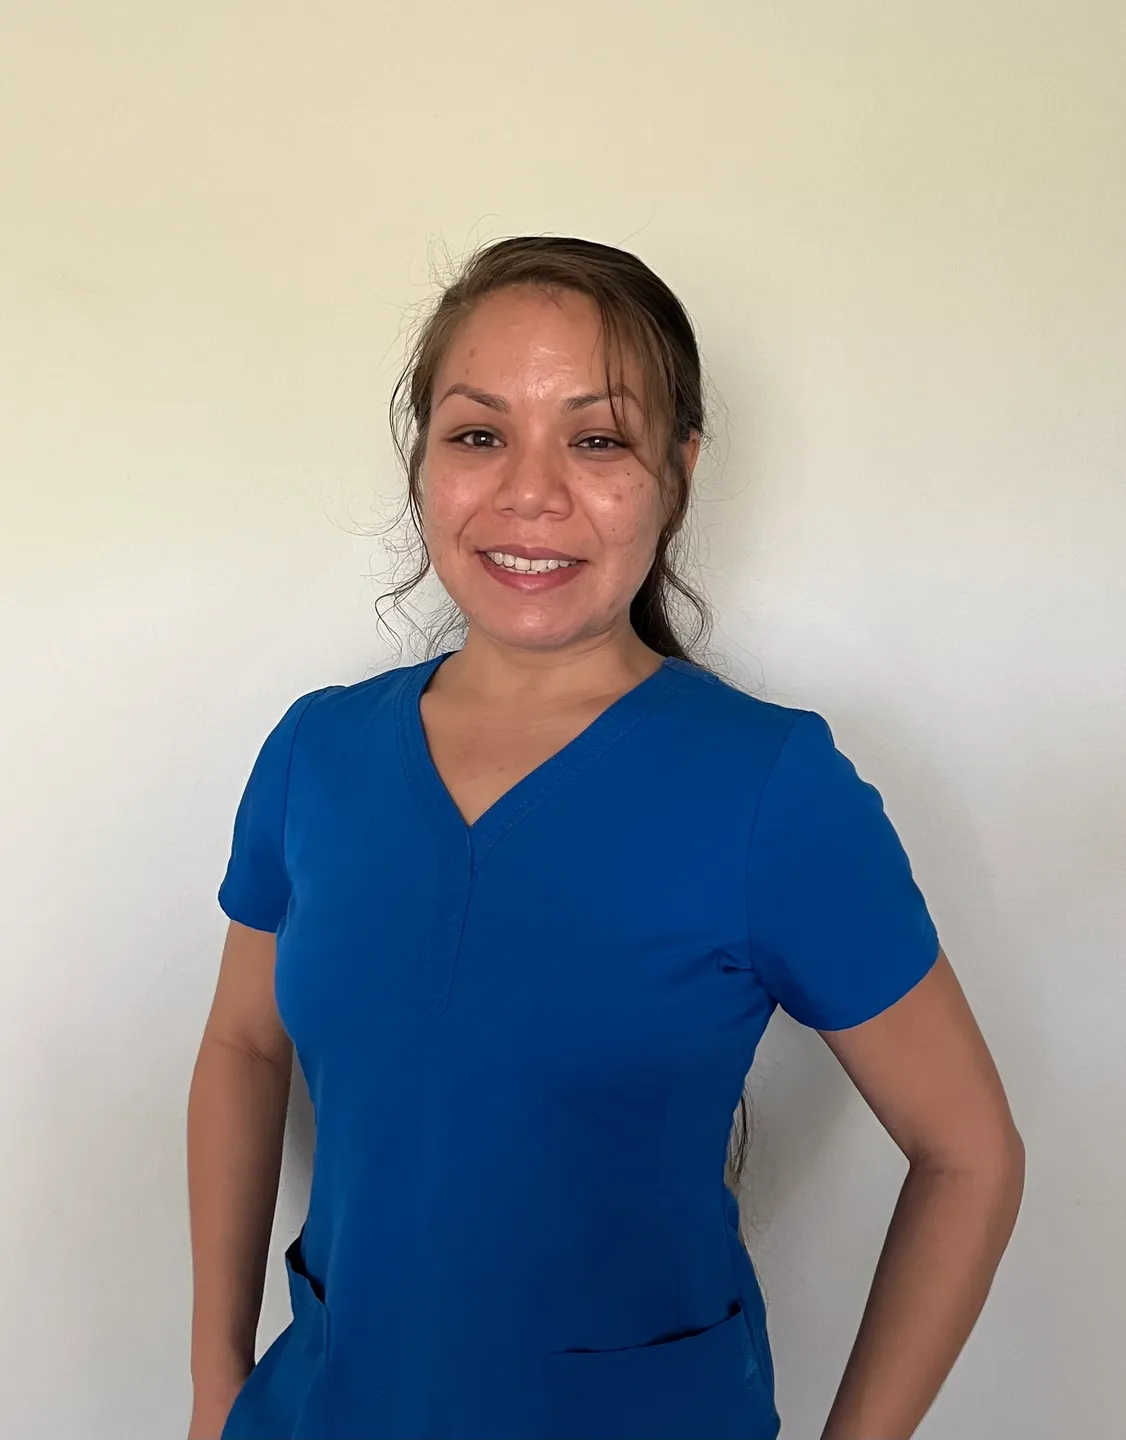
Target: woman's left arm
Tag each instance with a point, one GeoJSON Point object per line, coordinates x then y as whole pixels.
{"type": "Point", "coordinates": [925, 1070]}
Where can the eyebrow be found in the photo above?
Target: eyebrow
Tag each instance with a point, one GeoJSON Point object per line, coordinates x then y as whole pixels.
{"type": "Point", "coordinates": [576, 402]}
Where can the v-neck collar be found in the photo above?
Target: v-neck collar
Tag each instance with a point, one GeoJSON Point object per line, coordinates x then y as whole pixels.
{"type": "Point", "coordinates": [522, 797]}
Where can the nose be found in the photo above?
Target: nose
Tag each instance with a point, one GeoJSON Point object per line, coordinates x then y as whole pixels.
{"type": "Point", "coordinates": [532, 479]}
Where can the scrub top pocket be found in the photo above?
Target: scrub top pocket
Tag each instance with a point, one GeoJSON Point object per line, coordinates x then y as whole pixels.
{"type": "Point", "coordinates": [285, 1396]}
{"type": "Point", "coordinates": [704, 1386]}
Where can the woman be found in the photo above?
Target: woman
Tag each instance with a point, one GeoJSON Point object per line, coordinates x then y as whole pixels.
{"type": "Point", "coordinates": [534, 901]}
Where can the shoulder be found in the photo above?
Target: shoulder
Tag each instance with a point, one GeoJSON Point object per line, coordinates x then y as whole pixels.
{"type": "Point", "coordinates": [768, 759]}
{"type": "Point", "coordinates": [730, 718]}
{"type": "Point", "coordinates": [340, 707]}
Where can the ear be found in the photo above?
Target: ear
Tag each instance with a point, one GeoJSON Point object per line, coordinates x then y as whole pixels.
{"type": "Point", "coordinates": [690, 449]}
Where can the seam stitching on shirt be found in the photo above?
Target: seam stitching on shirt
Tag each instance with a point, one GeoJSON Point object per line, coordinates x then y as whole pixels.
{"type": "Point", "coordinates": [801, 714]}
{"type": "Point", "coordinates": [309, 699]}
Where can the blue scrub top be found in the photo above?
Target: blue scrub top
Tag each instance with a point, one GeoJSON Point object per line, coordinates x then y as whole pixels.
{"type": "Point", "coordinates": [525, 1039]}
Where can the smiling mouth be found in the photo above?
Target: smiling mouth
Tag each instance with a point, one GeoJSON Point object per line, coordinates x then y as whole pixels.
{"type": "Point", "coordinates": [527, 565]}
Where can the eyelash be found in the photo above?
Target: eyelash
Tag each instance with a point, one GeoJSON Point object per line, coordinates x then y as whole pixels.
{"type": "Point", "coordinates": [457, 439]}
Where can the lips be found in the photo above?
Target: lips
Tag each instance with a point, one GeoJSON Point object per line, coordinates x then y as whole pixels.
{"type": "Point", "coordinates": [530, 582]}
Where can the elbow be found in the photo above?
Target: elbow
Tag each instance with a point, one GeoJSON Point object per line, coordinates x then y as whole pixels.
{"type": "Point", "coordinates": [1004, 1186]}
{"type": "Point", "coordinates": [1007, 1161]}
{"type": "Point", "coordinates": [994, 1169]}
{"type": "Point", "coordinates": [1014, 1168]}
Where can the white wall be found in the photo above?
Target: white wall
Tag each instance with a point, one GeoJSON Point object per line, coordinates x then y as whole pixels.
{"type": "Point", "coordinates": [901, 229]}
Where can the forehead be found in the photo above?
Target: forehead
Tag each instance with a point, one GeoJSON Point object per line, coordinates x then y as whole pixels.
{"type": "Point", "coordinates": [528, 335]}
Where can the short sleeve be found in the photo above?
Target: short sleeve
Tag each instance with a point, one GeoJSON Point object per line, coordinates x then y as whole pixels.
{"type": "Point", "coordinates": [838, 928]}
{"type": "Point", "coordinates": [255, 888]}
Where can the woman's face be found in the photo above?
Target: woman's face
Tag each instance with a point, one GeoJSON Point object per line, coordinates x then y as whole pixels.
{"type": "Point", "coordinates": [524, 457]}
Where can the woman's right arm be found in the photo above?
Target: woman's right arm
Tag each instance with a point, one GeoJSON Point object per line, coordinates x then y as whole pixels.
{"type": "Point", "coordinates": [236, 1124]}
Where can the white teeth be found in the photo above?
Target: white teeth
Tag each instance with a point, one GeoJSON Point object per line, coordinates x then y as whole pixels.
{"type": "Point", "coordinates": [535, 567]}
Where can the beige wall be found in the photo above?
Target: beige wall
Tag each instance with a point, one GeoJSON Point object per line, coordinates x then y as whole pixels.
{"type": "Point", "coordinates": [901, 229]}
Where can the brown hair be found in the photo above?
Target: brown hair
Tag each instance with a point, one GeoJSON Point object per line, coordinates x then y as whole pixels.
{"type": "Point", "coordinates": [640, 316]}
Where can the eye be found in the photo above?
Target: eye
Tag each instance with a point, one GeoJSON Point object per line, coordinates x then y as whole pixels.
{"type": "Point", "coordinates": [457, 439]}
{"type": "Point", "coordinates": [604, 442]}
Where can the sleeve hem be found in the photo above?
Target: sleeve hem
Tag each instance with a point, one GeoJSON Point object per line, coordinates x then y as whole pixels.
{"type": "Point", "coordinates": [849, 1020]}
{"type": "Point", "coordinates": [238, 908]}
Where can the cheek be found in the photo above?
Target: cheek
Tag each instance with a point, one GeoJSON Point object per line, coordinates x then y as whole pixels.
{"type": "Point", "coordinates": [627, 512]}
{"type": "Point", "coordinates": [447, 498]}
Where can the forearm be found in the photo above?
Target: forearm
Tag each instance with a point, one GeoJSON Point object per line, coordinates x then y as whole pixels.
{"type": "Point", "coordinates": [946, 1238]}
{"type": "Point", "coordinates": [235, 1129]}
